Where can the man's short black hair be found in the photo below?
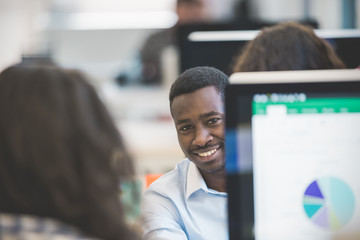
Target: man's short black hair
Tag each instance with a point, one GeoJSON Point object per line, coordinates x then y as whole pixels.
{"type": "Point", "coordinates": [197, 78]}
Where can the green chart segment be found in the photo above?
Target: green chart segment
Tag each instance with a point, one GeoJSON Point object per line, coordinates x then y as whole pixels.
{"type": "Point", "coordinates": [329, 203]}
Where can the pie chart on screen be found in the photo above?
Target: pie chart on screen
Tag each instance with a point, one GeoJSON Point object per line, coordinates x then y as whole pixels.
{"type": "Point", "coordinates": [329, 203]}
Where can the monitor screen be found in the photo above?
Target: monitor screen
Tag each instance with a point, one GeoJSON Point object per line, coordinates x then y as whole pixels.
{"type": "Point", "coordinates": [292, 155]}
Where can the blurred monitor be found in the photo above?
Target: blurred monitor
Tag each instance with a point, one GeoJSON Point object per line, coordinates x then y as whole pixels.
{"type": "Point", "coordinates": [213, 44]}
{"type": "Point", "coordinates": [219, 48]}
{"type": "Point", "coordinates": [292, 142]}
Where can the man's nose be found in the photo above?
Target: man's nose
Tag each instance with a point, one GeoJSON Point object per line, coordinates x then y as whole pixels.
{"type": "Point", "coordinates": [202, 136]}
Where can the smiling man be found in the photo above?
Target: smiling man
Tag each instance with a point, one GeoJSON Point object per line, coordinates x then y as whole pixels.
{"type": "Point", "coordinates": [190, 202]}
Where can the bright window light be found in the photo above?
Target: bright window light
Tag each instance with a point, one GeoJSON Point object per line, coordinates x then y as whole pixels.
{"type": "Point", "coordinates": [112, 20]}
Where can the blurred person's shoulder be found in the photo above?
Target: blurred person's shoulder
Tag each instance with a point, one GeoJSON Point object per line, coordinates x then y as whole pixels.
{"type": "Point", "coordinates": [160, 39]}
{"type": "Point", "coordinates": [29, 227]}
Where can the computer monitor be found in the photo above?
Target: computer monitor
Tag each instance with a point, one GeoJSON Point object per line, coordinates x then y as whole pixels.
{"type": "Point", "coordinates": [292, 141]}
{"type": "Point", "coordinates": [219, 48]}
{"type": "Point", "coordinates": [209, 49]}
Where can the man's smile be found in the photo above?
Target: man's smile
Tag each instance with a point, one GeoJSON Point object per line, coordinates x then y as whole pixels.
{"type": "Point", "coordinates": [208, 153]}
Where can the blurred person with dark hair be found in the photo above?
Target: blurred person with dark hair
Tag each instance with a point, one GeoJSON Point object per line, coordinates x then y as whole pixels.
{"type": "Point", "coordinates": [61, 158]}
{"type": "Point", "coordinates": [287, 46]}
{"type": "Point", "coordinates": [188, 12]}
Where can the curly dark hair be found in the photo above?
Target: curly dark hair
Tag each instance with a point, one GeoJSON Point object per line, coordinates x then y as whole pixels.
{"type": "Point", "coordinates": [287, 46]}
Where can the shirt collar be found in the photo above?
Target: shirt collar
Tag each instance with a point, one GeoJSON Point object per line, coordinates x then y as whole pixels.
{"type": "Point", "coordinates": [194, 181]}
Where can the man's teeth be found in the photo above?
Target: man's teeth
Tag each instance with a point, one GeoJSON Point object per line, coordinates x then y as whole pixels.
{"type": "Point", "coordinates": [205, 154]}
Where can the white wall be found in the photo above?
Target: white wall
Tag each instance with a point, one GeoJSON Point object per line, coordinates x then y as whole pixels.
{"type": "Point", "coordinates": [327, 12]}
{"type": "Point", "coordinates": [221, 10]}
{"type": "Point", "coordinates": [329, 15]}
{"type": "Point", "coordinates": [19, 29]}
{"type": "Point", "coordinates": [101, 53]}
{"type": "Point", "coordinates": [276, 10]}
{"type": "Point", "coordinates": [23, 35]}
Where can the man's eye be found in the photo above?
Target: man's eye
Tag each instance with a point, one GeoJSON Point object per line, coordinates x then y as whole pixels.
{"type": "Point", "coordinates": [213, 120]}
{"type": "Point", "coordinates": [184, 128]}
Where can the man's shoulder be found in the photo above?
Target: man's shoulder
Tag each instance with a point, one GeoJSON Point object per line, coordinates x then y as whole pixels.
{"type": "Point", "coordinates": [172, 180]}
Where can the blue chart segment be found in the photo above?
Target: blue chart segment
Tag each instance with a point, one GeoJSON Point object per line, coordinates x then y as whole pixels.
{"type": "Point", "coordinates": [329, 203]}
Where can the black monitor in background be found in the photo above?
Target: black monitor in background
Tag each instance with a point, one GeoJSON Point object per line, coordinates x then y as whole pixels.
{"type": "Point", "coordinates": [346, 43]}
{"type": "Point", "coordinates": [211, 46]}
{"type": "Point", "coordinates": [292, 141]}
{"type": "Point", "coordinates": [211, 52]}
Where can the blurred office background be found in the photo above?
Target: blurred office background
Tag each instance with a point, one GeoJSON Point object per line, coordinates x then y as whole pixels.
{"type": "Point", "coordinates": [104, 38]}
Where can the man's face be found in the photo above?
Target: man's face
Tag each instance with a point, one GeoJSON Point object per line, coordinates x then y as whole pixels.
{"type": "Point", "coordinates": [199, 122]}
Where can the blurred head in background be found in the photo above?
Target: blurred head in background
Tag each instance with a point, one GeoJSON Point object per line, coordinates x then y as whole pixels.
{"type": "Point", "coordinates": [191, 11]}
{"type": "Point", "coordinates": [61, 155]}
{"type": "Point", "coordinates": [287, 46]}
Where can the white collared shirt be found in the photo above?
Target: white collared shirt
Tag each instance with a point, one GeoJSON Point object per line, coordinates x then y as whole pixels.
{"type": "Point", "coordinates": [179, 205]}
